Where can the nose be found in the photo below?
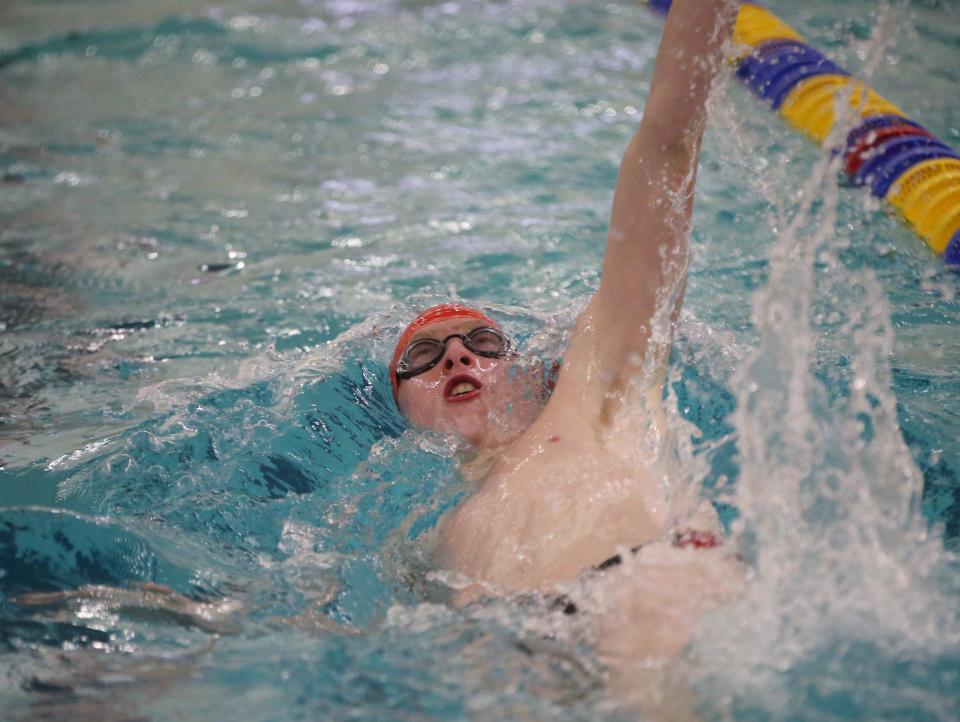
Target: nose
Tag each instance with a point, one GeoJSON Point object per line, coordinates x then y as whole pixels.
{"type": "Point", "coordinates": [457, 354]}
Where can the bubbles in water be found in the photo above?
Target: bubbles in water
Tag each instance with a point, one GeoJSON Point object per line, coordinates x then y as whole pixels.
{"type": "Point", "coordinates": [845, 571]}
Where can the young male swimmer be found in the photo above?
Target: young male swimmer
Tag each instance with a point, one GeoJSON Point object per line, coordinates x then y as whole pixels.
{"type": "Point", "coordinates": [575, 485]}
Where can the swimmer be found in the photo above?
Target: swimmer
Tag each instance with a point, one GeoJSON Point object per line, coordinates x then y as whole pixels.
{"type": "Point", "coordinates": [574, 484]}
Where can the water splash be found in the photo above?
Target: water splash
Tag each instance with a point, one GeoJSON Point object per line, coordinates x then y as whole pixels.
{"type": "Point", "coordinates": [844, 568]}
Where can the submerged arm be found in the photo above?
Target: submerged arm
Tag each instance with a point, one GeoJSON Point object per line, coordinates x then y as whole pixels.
{"type": "Point", "coordinates": [645, 264]}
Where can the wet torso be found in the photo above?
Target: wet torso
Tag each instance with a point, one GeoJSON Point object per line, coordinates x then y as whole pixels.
{"type": "Point", "coordinates": [562, 498]}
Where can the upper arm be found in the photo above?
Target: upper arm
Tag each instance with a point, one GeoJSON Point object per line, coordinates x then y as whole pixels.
{"type": "Point", "coordinates": [647, 253]}
{"type": "Point", "coordinates": [646, 258]}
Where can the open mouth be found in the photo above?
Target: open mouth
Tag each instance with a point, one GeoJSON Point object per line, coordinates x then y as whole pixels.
{"type": "Point", "coordinates": [462, 388]}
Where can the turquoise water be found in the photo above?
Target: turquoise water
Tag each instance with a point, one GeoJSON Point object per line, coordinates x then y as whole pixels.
{"type": "Point", "coordinates": [216, 218]}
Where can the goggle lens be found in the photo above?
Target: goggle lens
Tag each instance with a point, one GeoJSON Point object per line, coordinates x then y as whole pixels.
{"type": "Point", "coordinates": [423, 354]}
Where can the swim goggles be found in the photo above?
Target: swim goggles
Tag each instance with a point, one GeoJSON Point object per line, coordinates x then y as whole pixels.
{"type": "Point", "coordinates": [425, 353]}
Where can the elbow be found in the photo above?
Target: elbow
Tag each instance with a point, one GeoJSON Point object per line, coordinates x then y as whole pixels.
{"type": "Point", "coordinates": [674, 147]}
{"type": "Point", "coordinates": [681, 152]}
{"type": "Point", "coordinates": [672, 127]}
{"type": "Point", "coordinates": [678, 144]}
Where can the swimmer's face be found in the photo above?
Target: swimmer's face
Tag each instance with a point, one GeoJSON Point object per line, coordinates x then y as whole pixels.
{"type": "Point", "coordinates": [482, 399]}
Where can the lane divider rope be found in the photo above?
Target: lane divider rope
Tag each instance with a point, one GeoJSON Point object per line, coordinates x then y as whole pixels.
{"type": "Point", "coordinates": [893, 156]}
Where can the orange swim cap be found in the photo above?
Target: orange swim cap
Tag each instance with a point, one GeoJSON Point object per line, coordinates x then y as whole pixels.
{"type": "Point", "coordinates": [442, 312]}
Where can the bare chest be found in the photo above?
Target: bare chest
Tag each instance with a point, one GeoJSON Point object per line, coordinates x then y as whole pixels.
{"type": "Point", "coordinates": [545, 514]}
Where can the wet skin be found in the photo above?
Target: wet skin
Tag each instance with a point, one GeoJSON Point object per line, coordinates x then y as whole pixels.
{"type": "Point", "coordinates": [484, 400]}
{"type": "Point", "coordinates": [589, 474]}
{"type": "Point", "coordinates": [561, 492]}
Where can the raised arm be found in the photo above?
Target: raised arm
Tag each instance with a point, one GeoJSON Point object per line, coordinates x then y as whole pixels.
{"type": "Point", "coordinates": [645, 264]}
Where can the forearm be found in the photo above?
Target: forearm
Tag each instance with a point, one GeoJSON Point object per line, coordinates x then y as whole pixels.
{"type": "Point", "coordinates": [653, 197]}
{"type": "Point", "coordinates": [689, 57]}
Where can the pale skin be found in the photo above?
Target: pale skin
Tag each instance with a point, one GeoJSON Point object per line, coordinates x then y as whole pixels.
{"type": "Point", "coordinates": [569, 484]}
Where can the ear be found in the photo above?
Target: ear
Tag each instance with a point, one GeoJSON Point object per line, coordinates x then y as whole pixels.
{"type": "Point", "coordinates": [538, 379]}
{"type": "Point", "coordinates": [398, 400]}
{"type": "Point", "coordinates": [551, 375]}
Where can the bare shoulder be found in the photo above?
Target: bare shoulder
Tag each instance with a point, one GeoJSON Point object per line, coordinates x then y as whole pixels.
{"type": "Point", "coordinates": [460, 531]}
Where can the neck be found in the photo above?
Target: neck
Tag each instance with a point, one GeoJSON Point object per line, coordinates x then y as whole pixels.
{"type": "Point", "coordinates": [476, 463]}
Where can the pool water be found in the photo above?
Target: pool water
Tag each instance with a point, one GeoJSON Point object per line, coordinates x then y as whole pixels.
{"type": "Point", "coordinates": [216, 217]}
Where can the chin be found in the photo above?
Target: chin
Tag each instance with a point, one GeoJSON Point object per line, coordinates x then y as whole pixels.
{"type": "Point", "coordinates": [476, 423]}
{"type": "Point", "coordinates": [490, 433]}
{"type": "Point", "coordinates": [475, 431]}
